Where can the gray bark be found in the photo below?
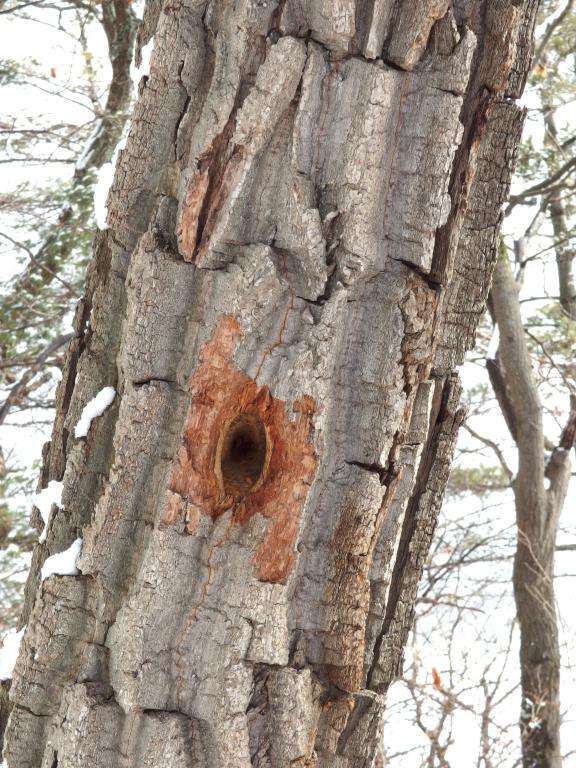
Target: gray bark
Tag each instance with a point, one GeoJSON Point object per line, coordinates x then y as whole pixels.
{"type": "Point", "coordinates": [538, 510]}
{"type": "Point", "coordinates": [302, 234]}
{"type": "Point", "coordinates": [564, 248]}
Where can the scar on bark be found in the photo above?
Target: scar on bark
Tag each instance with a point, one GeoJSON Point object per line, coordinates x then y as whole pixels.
{"type": "Point", "coordinates": [241, 451]}
{"type": "Point", "coordinates": [210, 186]}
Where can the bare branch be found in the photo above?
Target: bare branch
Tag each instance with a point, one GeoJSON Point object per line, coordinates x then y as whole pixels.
{"type": "Point", "coordinates": [550, 29]}
{"type": "Point", "coordinates": [21, 384]}
{"type": "Point", "coordinates": [542, 187]}
{"type": "Point", "coordinates": [493, 446]}
{"type": "Point", "coordinates": [38, 263]}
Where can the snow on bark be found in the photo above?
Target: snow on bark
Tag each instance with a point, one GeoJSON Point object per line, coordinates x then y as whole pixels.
{"type": "Point", "coordinates": [104, 181]}
{"type": "Point", "coordinates": [45, 499]}
{"type": "Point", "coordinates": [87, 155]}
{"type": "Point", "coordinates": [93, 409]}
{"type": "Point", "coordinates": [137, 72]}
{"type": "Point", "coordinates": [9, 653]}
{"type": "Point", "coordinates": [63, 563]}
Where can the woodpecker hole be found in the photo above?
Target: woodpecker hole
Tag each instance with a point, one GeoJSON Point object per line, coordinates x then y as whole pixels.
{"type": "Point", "coordinates": [242, 455]}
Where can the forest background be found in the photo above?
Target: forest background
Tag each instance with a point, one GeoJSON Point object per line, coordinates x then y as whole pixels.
{"type": "Point", "coordinates": [68, 80]}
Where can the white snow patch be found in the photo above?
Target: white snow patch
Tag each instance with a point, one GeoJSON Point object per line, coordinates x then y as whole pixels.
{"type": "Point", "coordinates": [94, 408]}
{"type": "Point", "coordinates": [86, 155]}
{"type": "Point", "coordinates": [103, 184]}
{"type": "Point", "coordinates": [494, 344]}
{"type": "Point", "coordinates": [138, 8]}
{"type": "Point", "coordinates": [137, 73]}
{"type": "Point", "coordinates": [9, 653]}
{"type": "Point", "coordinates": [52, 494]}
{"type": "Point", "coordinates": [63, 563]}
{"type": "Point", "coordinates": [329, 216]}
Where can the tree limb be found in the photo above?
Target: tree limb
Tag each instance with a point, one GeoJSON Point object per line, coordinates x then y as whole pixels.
{"type": "Point", "coordinates": [21, 384]}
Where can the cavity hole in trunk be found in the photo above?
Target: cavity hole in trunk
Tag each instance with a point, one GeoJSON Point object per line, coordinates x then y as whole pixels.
{"type": "Point", "coordinates": [242, 454]}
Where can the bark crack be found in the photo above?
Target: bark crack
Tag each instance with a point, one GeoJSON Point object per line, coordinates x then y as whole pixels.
{"type": "Point", "coordinates": [194, 612]}
{"type": "Point", "coordinates": [268, 351]}
{"type": "Point", "coordinates": [153, 380]}
{"type": "Point", "coordinates": [385, 475]}
{"type": "Point", "coordinates": [436, 453]}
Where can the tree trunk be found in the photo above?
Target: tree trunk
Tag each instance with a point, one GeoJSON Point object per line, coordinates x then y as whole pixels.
{"type": "Point", "coordinates": [302, 233]}
{"type": "Point", "coordinates": [564, 247]}
{"type": "Point", "coordinates": [537, 515]}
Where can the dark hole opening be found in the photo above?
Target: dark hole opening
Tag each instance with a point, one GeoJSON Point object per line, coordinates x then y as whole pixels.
{"type": "Point", "coordinates": [243, 454]}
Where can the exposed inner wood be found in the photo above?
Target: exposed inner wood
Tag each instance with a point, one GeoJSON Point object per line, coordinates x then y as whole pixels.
{"type": "Point", "coordinates": [241, 455]}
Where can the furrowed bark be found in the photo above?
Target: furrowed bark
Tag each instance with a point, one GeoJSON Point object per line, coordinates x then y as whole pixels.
{"type": "Point", "coordinates": [302, 231]}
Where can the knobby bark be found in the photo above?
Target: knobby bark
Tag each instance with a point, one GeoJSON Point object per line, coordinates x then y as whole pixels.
{"type": "Point", "coordinates": [302, 232]}
{"type": "Point", "coordinates": [540, 490]}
